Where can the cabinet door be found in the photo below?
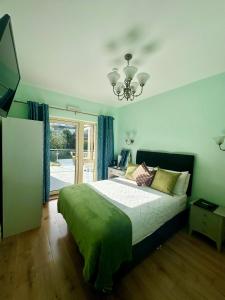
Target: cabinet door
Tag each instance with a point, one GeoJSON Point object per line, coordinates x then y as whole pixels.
{"type": "Point", "coordinates": [22, 155]}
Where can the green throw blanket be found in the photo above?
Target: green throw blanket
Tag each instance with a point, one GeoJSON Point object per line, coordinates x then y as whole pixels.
{"type": "Point", "coordinates": [101, 230]}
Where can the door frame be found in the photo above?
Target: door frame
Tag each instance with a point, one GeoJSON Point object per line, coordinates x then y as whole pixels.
{"type": "Point", "coordinates": [79, 161]}
{"type": "Point", "coordinates": [94, 124]}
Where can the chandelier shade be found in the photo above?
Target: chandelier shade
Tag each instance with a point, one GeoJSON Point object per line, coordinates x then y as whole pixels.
{"type": "Point", "coordinates": [119, 87]}
{"type": "Point", "coordinates": [113, 76]}
{"type": "Point", "coordinates": [130, 71]}
{"type": "Point", "coordinates": [134, 86]}
{"type": "Point", "coordinates": [129, 88]}
{"type": "Point", "coordinates": [142, 78]}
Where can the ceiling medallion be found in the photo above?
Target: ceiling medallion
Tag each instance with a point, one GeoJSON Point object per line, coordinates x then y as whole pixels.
{"type": "Point", "coordinates": [129, 88]}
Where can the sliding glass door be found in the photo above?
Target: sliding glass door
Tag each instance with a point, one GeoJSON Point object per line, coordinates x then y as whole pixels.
{"type": "Point", "coordinates": [72, 151]}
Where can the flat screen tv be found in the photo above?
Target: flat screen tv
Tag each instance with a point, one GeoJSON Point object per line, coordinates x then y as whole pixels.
{"type": "Point", "coordinates": [9, 69]}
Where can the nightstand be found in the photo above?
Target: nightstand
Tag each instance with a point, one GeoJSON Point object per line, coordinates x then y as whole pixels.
{"type": "Point", "coordinates": [115, 172]}
{"type": "Point", "coordinates": [209, 223]}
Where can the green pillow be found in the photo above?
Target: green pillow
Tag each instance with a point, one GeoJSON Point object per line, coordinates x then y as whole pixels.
{"type": "Point", "coordinates": [165, 181]}
{"type": "Point", "coordinates": [130, 170]}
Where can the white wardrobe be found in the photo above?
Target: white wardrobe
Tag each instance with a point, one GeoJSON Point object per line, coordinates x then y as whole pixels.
{"type": "Point", "coordinates": [22, 175]}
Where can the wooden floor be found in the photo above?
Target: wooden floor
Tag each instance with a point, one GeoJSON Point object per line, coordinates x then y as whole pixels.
{"type": "Point", "coordinates": [45, 264]}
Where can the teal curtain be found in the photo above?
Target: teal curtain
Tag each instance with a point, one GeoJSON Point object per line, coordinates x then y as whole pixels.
{"type": "Point", "coordinates": [40, 112]}
{"type": "Point", "coordinates": [105, 145]}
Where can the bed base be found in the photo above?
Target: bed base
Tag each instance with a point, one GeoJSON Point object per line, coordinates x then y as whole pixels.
{"type": "Point", "coordinates": [142, 249]}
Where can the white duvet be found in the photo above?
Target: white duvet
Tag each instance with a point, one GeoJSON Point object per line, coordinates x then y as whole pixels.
{"type": "Point", "coordinates": [147, 209]}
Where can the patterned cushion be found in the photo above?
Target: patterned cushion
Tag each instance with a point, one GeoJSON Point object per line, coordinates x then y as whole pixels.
{"type": "Point", "coordinates": [143, 175]}
{"type": "Point", "coordinates": [145, 179]}
{"type": "Point", "coordinates": [141, 169]}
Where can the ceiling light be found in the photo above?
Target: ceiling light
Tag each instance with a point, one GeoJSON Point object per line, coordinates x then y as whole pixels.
{"type": "Point", "coordinates": [127, 89]}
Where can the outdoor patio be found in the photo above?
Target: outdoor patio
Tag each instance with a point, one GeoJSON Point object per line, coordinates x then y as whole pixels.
{"type": "Point", "coordinates": [63, 174]}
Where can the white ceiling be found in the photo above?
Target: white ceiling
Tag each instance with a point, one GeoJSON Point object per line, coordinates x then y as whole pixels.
{"type": "Point", "coordinates": [70, 45]}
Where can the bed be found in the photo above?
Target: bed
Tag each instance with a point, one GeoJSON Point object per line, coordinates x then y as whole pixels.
{"type": "Point", "coordinates": [115, 223]}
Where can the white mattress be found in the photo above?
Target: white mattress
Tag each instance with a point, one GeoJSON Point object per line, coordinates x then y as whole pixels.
{"type": "Point", "coordinates": [147, 209]}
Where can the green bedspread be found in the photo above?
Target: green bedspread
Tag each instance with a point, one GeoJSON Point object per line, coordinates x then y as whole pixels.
{"type": "Point", "coordinates": [102, 232]}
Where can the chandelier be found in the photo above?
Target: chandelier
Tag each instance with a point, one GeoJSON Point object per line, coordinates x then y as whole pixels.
{"type": "Point", "coordinates": [129, 88]}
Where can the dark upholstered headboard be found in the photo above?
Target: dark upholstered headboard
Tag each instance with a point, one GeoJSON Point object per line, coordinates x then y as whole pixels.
{"type": "Point", "coordinates": [170, 161]}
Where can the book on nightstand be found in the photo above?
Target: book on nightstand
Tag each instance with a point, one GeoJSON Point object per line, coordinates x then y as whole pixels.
{"type": "Point", "coordinates": [206, 204]}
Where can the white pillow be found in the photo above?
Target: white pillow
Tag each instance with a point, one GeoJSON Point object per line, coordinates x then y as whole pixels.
{"type": "Point", "coordinates": [182, 182]}
{"type": "Point", "coordinates": [187, 182]}
{"type": "Point", "coordinates": [152, 168]}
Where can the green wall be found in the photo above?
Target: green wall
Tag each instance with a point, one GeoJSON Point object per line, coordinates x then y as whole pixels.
{"type": "Point", "coordinates": [27, 92]}
{"type": "Point", "coordinates": [183, 120]}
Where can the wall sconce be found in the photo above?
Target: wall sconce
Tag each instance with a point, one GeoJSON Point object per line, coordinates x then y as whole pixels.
{"type": "Point", "coordinates": [129, 141]}
{"type": "Point", "coordinates": [219, 141]}
{"type": "Point", "coordinates": [130, 135]}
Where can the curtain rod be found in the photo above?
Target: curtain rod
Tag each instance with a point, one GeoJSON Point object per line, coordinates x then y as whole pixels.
{"type": "Point", "coordinates": [64, 109]}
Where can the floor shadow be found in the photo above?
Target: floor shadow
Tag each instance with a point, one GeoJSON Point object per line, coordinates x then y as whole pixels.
{"type": "Point", "coordinates": [56, 184]}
